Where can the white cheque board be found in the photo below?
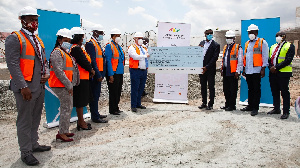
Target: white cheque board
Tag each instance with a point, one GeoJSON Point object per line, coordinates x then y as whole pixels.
{"type": "Point", "coordinates": [175, 60]}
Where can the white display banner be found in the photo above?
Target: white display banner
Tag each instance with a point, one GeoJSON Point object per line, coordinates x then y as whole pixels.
{"type": "Point", "coordinates": [172, 87]}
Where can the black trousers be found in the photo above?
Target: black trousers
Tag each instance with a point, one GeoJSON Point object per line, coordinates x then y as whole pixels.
{"type": "Point", "coordinates": [280, 84]}
{"type": "Point", "coordinates": [208, 77]}
{"type": "Point", "coordinates": [230, 88]}
{"type": "Point", "coordinates": [254, 91]}
{"type": "Point", "coordinates": [115, 89]}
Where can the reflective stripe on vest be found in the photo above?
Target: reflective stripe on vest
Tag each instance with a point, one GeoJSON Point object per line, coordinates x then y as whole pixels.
{"type": "Point", "coordinates": [233, 57]}
{"type": "Point", "coordinates": [67, 68]}
{"type": "Point", "coordinates": [99, 57]}
{"type": "Point", "coordinates": [27, 55]}
{"type": "Point", "coordinates": [84, 74]}
{"type": "Point", "coordinates": [281, 57]}
{"type": "Point", "coordinates": [115, 56]}
{"type": "Point", "coordinates": [257, 52]}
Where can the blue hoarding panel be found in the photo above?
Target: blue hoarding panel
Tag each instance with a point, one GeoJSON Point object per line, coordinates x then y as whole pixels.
{"type": "Point", "coordinates": [267, 29]}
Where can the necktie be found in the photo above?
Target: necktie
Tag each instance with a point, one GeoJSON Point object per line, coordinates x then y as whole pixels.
{"type": "Point", "coordinates": [146, 60]}
{"type": "Point", "coordinates": [39, 54]}
{"type": "Point", "coordinates": [274, 53]}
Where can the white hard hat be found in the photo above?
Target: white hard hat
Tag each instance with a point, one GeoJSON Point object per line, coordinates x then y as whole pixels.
{"type": "Point", "coordinates": [115, 31]}
{"type": "Point", "coordinates": [208, 28]}
{"type": "Point", "coordinates": [64, 32]}
{"type": "Point", "coordinates": [98, 27]}
{"type": "Point", "coordinates": [77, 30]}
{"type": "Point", "coordinates": [138, 34]}
{"type": "Point", "coordinates": [252, 27]}
{"type": "Point", "coordinates": [230, 33]}
{"type": "Point", "coordinates": [28, 10]}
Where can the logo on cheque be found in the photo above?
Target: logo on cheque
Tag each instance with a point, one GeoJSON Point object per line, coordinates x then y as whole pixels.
{"type": "Point", "coordinates": [174, 30]}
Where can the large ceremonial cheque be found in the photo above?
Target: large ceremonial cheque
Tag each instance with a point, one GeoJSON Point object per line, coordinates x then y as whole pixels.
{"type": "Point", "coordinates": [179, 60]}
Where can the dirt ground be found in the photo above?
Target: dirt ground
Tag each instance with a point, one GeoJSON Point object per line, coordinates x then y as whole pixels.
{"type": "Point", "coordinates": [168, 135]}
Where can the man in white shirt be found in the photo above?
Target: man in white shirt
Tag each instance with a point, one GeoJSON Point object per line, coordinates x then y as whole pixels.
{"type": "Point", "coordinates": [138, 65]}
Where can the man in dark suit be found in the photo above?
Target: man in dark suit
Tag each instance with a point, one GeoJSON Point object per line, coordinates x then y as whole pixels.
{"type": "Point", "coordinates": [29, 71]}
{"type": "Point", "coordinates": [93, 48]}
{"type": "Point", "coordinates": [280, 65]}
{"type": "Point", "coordinates": [211, 50]}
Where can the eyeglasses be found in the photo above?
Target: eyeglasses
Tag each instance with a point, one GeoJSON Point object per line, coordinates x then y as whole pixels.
{"type": "Point", "coordinates": [209, 33]}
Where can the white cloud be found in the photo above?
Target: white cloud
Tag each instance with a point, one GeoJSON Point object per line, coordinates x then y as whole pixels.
{"type": "Point", "coordinates": [136, 10]}
{"type": "Point", "coordinates": [137, 0]}
{"type": "Point", "coordinates": [51, 5]}
{"type": "Point", "coordinates": [96, 3]}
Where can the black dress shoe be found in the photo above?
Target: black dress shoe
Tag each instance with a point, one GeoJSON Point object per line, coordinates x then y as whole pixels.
{"type": "Point", "coordinates": [285, 116]}
{"type": "Point", "coordinates": [30, 160]}
{"type": "Point", "coordinates": [224, 107]}
{"type": "Point", "coordinates": [202, 106]}
{"type": "Point", "coordinates": [254, 112]}
{"type": "Point", "coordinates": [114, 113]}
{"type": "Point", "coordinates": [141, 107]}
{"type": "Point", "coordinates": [274, 112]}
{"type": "Point", "coordinates": [133, 109]}
{"type": "Point", "coordinates": [229, 109]}
{"type": "Point", "coordinates": [103, 116]}
{"type": "Point", "coordinates": [42, 148]}
{"type": "Point", "coordinates": [99, 121]}
{"type": "Point", "coordinates": [247, 108]}
{"type": "Point", "coordinates": [119, 111]}
{"type": "Point", "coordinates": [209, 108]}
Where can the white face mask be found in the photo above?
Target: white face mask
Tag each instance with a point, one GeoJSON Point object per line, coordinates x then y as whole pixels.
{"type": "Point", "coordinates": [118, 39]}
{"type": "Point", "coordinates": [251, 36]}
{"type": "Point", "coordinates": [140, 42]}
{"type": "Point", "coordinates": [229, 41]}
{"type": "Point", "coordinates": [278, 39]}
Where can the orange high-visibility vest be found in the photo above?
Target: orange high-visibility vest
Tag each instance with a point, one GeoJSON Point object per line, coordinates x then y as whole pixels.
{"type": "Point", "coordinates": [99, 57]}
{"type": "Point", "coordinates": [135, 63]}
{"type": "Point", "coordinates": [234, 54]}
{"type": "Point", "coordinates": [115, 56]}
{"type": "Point", "coordinates": [27, 55]}
{"type": "Point", "coordinates": [84, 74]}
{"type": "Point", "coordinates": [67, 68]}
{"type": "Point", "coordinates": [257, 52]}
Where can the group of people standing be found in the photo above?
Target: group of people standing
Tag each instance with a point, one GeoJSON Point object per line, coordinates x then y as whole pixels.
{"type": "Point", "coordinates": [75, 71]}
{"type": "Point", "coordinates": [251, 64]}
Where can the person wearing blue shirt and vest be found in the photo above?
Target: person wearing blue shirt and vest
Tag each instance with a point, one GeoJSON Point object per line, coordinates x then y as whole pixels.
{"type": "Point", "coordinates": [115, 61]}
{"type": "Point", "coordinates": [255, 61]}
{"type": "Point", "coordinates": [93, 48]}
{"type": "Point", "coordinates": [280, 65]}
{"type": "Point", "coordinates": [232, 65]}
{"type": "Point", "coordinates": [138, 65]}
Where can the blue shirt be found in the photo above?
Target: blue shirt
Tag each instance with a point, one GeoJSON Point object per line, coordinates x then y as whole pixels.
{"type": "Point", "coordinates": [249, 69]}
{"type": "Point", "coordinates": [109, 54]}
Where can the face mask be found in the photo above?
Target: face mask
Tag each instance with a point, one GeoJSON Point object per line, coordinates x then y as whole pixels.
{"type": "Point", "coordinates": [140, 42]}
{"type": "Point", "coordinates": [32, 25]}
{"type": "Point", "coordinates": [84, 41]}
{"type": "Point", "coordinates": [229, 41]}
{"type": "Point", "coordinates": [251, 36]}
{"type": "Point", "coordinates": [118, 39]}
{"type": "Point", "coordinates": [279, 39]}
{"type": "Point", "coordinates": [147, 45]}
{"type": "Point", "coordinates": [66, 45]}
{"type": "Point", "coordinates": [100, 37]}
{"type": "Point", "coordinates": [209, 37]}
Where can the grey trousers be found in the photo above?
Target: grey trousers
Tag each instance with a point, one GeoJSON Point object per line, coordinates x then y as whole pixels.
{"type": "Point", "coordinates": [66, 106]}
{"type": "Point", "coordinates": [28, 120]}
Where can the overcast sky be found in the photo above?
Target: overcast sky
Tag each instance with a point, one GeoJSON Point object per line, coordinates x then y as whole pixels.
{"type": "Point", "coordinates": [142, 15]}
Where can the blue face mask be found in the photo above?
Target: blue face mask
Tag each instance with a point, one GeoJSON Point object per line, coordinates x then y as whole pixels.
{"type": "Point", "coordinates": [209, 37]}
{"type": "Point", "coordinates": [84, 41]}
{"type": "Point", "coordinates": [66, 45]}
{"type": "Point", "coordinates": [100, 37]}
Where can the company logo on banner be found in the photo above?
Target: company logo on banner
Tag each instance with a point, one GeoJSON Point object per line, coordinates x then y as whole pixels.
{"type": "Point", "coordinates": [173, 34]}
{"type": "Point", "coordinates": [174, 30]}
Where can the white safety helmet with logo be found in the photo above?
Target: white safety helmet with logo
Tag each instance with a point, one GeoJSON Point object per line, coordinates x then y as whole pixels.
{"type": "Point", "coordinates": [138, 34]}
{"type": "Point", "coordinates": [230, 33]}
{"type": "Point", "coordinates": [98, 27]}
{"type": "Point", "coordinates": [115, 31]}
{"type": "Point", "coordinates": [64, 32]}
{"type": "Point", "coordinates": [252, 27]}
{"type": "Point", "coordinates": [28, 10]}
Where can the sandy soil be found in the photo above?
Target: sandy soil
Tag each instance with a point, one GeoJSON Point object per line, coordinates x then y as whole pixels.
{"type": "Point", "coordinates": [167, 135]}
